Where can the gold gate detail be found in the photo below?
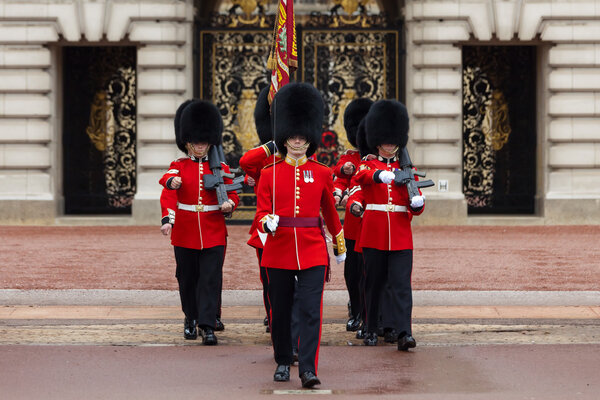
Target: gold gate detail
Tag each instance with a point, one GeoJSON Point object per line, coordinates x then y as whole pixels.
{"type": "Point", "coordinates": [345, 58]}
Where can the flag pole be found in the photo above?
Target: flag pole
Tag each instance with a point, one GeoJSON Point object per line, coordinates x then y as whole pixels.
{"type": "Point", "coordinates": [283, 59]}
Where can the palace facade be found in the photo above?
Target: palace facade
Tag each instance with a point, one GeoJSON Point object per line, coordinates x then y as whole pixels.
{"type": "Point", "coordinates": [503, 96]}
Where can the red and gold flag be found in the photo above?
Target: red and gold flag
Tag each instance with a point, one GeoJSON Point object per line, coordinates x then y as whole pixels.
{"type": "Point", "coordinates": [283, 59]}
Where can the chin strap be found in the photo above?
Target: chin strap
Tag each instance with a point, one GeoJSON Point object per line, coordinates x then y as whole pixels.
{"type": "Point", "coordinates": [393, 153]}
{"type": "Point", "coordinates": [297, 148]}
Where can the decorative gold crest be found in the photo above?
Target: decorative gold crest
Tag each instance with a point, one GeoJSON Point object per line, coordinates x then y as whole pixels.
{"type": "Point", "coordinates": [350, 7]}
{"type": "Point", "coordinates": [248, 7]}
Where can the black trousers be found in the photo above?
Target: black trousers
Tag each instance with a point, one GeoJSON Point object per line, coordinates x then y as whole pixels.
{"type": "Point", "coordinates": [200, 277]}
{"type": "Point", "coordinates": [264, 280]}
{"type": "Point", "coordinates": [353, 275]}
{"type": "Point", "coordinates": [309, 294]}
{"type": "Point", "coordinates": [394, 269]}
{"type": "Point", "coordinates": [295, 329]}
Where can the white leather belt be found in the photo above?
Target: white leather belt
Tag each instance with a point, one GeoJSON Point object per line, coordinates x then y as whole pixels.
{"type": "Point", "coordinates": [386, 207]}
{"type": "Point", "coordinates": [198, 207]}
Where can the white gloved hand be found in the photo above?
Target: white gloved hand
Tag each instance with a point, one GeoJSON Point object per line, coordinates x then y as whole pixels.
{"type": "Point", "coordinates": [340, 257]}
{"type": "Point", "coordinates": [386, 176]}
{"type": "Point", "coordinates": [417, 201]}
{"type": "Point", "coordinates": [272, 222]}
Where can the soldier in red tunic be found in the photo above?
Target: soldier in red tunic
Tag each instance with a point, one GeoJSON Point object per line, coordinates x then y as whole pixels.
{"type": "Point", "coordinates": [386, 237]}
{"type": "Point", "coordinates": [168, 202]}
{"type": "Point", "coordinates": [199, 237]}
{"type": "Point", "coordinates": [291, 195]}
{"type": "Point", "coordinates": [344, 170]}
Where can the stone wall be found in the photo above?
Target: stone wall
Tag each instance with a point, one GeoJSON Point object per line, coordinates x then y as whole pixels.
{"type": "Point", "coordinates": [31, 36]}
{"type": "Point", "coordinates": [567, 34]}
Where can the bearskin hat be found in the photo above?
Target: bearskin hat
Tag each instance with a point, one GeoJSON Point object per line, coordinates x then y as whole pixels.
{"type": "Point", "coordinates": [387, 123]}
{"type": "Point", "coordinates": [355, 112]}
{"type": "Point", "coordinates": [201, 122]}
{"type": "Point", "coordinates": [262, 116]}
{"type": "Point", "coordinates": [177, 123]}
{"type": "Point", "coordinates": [361, 140]}
{"type": "Point", "coordinates": [298, 109]}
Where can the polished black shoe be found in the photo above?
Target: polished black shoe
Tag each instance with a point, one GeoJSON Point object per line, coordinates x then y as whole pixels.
{"type": "Point", "coordinates": [309, 379]}
{"type": "Point", "coordinates": [219, 325]}
{"type": "Point", "coordinates": [370, 339]}
{"type": "Point", "coordinates": [282, 373]}
{"type": "Point", "coordinates": [189, 329]}
{"type": "Point", "coordinates": [406, 342]}
{"type": "Point", "coordinates": [266, 321]}
{"type": "Point", "coordinates": [208, 336]}
{"type": "Point", "coordinates": [353, 324]}
{"type": "Point", "coordinates": [360, 333]}
{"type": "Point", "coordinates": [390, 336]}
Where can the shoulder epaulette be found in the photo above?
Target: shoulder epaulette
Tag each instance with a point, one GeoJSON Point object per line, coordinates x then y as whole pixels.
{"type": "Point", "coordinates": [350, 151]}
{"type": "Point", "coordinates": [182, 159]}
{"type": "Point", "coordinates": [318, 162]}
{"type": "Point", "coordinates": [271, 164]}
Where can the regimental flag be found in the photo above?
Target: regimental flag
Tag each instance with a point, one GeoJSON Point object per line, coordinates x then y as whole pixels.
{"type": "Point", "coordinates": [283, 59]}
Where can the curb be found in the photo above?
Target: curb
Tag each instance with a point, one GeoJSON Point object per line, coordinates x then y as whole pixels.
{"type": "Point", "coordinates": [109, 297]}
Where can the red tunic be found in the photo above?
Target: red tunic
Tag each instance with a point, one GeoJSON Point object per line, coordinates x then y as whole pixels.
{"type": "Point", "coordinates": [384, 230]}
{"type": "Point", "coordinates": [343, 182]}
{"type": "Point", "coordinates": [303, 188]}
{"type": "Point", "coordinates": [168, 205]}
{"type": "Point", "coordinates": [252, 162]}
{"type": "Point", "coordinates": [195, 229]}
{"type": "Point", "coordinates": [352, 156]}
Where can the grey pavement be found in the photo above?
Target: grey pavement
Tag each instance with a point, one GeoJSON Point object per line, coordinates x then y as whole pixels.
{"type": "Point", "coordinates": [10, 297]}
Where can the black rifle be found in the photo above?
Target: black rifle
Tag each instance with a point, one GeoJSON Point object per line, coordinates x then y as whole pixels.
{"type": "Point", "coordinates": [216, 156]}
{"type": "Point", "coordinates": [406, 176]}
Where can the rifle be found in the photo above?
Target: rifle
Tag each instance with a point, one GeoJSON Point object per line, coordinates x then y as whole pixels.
{"type": "Point", "coordinates": [406, 176]}
{"type": "Point", "coordinates": [216, 156]}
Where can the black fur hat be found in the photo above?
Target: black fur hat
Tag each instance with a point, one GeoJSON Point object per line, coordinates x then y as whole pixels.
{"type": "Point", "coordinates": [177, 123]}
{"type": "Point", "coordinates": [361, 140]}
{"type": "Point", "coordinates": [262, 116]}
{"type": "Point", "coordinates": [298, 109]}
{"type": "Point", "coordinates": [387, 123]}
{"type": "Point", "coordinates": [355, 112]}
{"type": "Point", "coordinates": [201, 122]}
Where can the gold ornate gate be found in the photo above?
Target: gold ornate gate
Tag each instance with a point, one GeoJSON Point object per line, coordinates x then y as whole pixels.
{"type": "Point", "coordinates": [499, 129]}
{"type": "Point", "coordinates": [345, 57]}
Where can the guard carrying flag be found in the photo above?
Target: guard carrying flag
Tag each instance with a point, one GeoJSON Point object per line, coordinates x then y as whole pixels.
{"type": "Point", "coordinates": [291, 195]}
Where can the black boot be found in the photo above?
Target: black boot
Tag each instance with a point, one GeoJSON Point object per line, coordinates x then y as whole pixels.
{"type": "Point", "coordinates": [309, 379]}
{"type": "Point", "coordinates": [406, 341]}
{"type": "Point", "coordinates": [353, 324]}
{"type": "Point", "coordinates": [189, 329]}
{"type": "Point", "coordinates": [282, 373]}
{"type": "Point", "coordinates": [361, 331]}
{"type": "Point", "coordinates": [370, 339]}
{"type": "Point", "coordinates": [219, 325]}
{"type": "Point", "coordinates": [390, 335]}
{"type": "Point", "coordinates": [208, 336]}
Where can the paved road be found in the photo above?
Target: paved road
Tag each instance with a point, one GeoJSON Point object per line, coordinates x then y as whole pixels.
{"type": "Point", "coordinates": [98, 318]}
{"type": "Point", "coordinates": [245, 372]}
{"type": "Point", "coordinates": [138, 352]}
